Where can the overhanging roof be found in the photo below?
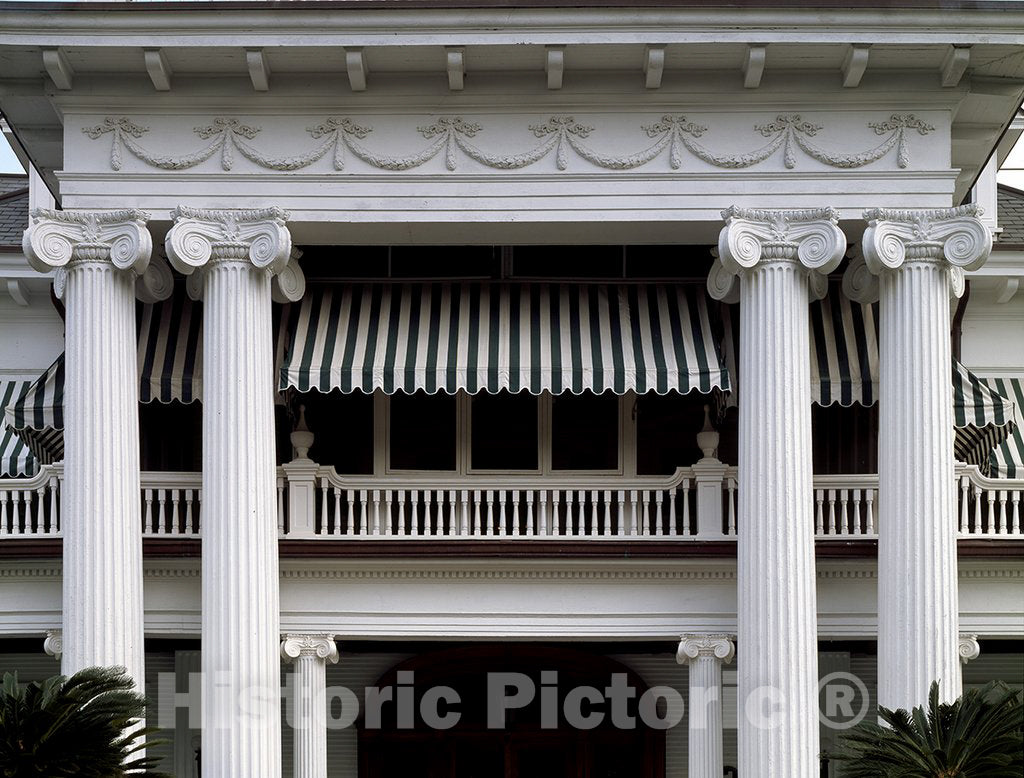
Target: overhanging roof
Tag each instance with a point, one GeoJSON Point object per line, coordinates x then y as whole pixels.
{"type": "Point", "coordinates": [972, 50]}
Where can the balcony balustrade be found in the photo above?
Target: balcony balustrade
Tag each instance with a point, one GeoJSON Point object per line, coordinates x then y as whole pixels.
{"type": "Point", "coordinates": [696, 503]}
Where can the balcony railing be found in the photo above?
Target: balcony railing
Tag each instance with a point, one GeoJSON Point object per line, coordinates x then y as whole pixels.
{"type": "Point", "coordinates": [695, 503]}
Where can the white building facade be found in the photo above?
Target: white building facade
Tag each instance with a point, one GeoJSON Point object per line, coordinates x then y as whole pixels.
{"type": "Point", "coordinates": [431, 340]}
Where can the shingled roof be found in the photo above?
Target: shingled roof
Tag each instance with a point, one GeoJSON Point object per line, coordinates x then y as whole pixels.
{"type": "Point", "coordinates": [13, 210]}
{"type": "Point", "coordinates": [1011, 215]}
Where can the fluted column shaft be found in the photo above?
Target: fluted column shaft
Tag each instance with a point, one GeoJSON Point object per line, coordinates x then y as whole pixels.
{"type": "Point", "coordinates": [705, 655]}
{"type": "Point", "coordinates": [914, 255]}
{"type": "Point", "coordinates": [310, 654]}
{"type": "Point", "coordinates": [918, 621]}
{"type": "Point", "coordinates": [777, 678]}
{"type": "Point", "coordinates": [102, 523]}
{"type": "Point", "coordinates": [99, 256]}
{"type": "Point", "coordinates": [237, 251]}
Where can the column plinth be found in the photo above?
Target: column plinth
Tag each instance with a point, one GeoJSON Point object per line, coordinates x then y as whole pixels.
{"type": "Point", "coordinates": [917, 256]}
{"type": "Point", "coordinates": [774, 253]}
{"type": "Point", "coordinates": [310, 655]}
{"type": "Point", "coordinates": [100, 256]}
{"type": "Point", "coordinates": [705, 655]}
{"type": "Point", "coordinates": [238, 252]}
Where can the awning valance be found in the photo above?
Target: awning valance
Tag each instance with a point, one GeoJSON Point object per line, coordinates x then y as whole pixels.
{"type": "Point", "coordinates": [170, 350]}
{"type": "Point", "coordinates": [448, 337]}
{"type": "Point", "coordinates": [16, 458]}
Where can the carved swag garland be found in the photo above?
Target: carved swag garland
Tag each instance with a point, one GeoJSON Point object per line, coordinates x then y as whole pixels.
{"type": "Point", "coordinates": [559, 135]}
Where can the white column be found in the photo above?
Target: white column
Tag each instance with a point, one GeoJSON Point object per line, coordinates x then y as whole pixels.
{"type": "Point", "coordinates": [238, 252]}
{"type": "Point", "coordinates": [915, 255]}
{"type": "Point", "coordinates": [773, 253]}
{"type": "Point", "coordinates": [705, 654]}
{"type": "Point", "coordinates": [99, 256]}
{"type": "Point", "coordinates": [310, 654]}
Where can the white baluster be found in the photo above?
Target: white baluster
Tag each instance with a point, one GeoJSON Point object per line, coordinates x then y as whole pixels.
{"type": "Point", "coordinates": [334, 528]}
{"type": "Point", "coordinates": [502, 518]}
{"type": "Point", "coordinates": [732, 506]}
{"type": "Point", "coordinates": [324, 518]}
{"type": "Point", "coordinates": [281, 527]}
{"type": "Point", "coordinates": [388, 500]}
{"type": "Point", "coordinates": [607, 512]}
{"type": "Point", "coordinates": [363, 509]}
{"type": "Point", "coordinates": [570, 499]}
{"type": "Point", "coordinates": [844, 521]}
{"type": "Point", "coordinates": [686, 507]}
{"type": "Point", "coordinates": [188, 511]}
{"type": "Point", "coordinates": [27, 498]}
{"type": "Point", "coordinates": [478, 529]}
{"type": "Point", "coordinates": [530, 495]}
{"type": "Point", "coordinates": [990, 521]}
{"type": "Point", "coordinates": [1016, 512]}
{"type": "Point", "coordinates": [831, 511]}
{"type": "Point", "coordinates": [543, 511]}
{"type": "Point", "coordinates": [3, 512]}
{"type": "Point", "coordinates": [175, 500]}
{"type": "Point", "coordinates": [964, 499]}
{"type": "Point", "coordinates": [161, 511]}
{"type": "Point", "coordinates": [465, 512]}
{"type": "Point", "coordinates": [595, 514]}
{"type": "Point", "coordinates": [54, 505]}
{"type": "Point", "coordinates": [376, 511]}
{"type": "Point", "coordinates": [658, 497]}
{"type": "Point", "coordinates": [515, 512]}
{"type": "Point", "coordinates": [489, 495]}
{"type": "Point", "coordinates": [148, 523]}
{"type": "Point", "coordinates": [16, 510]}
{"type": "Point", "coordinates": [672, 528]}
{"type": "Point", "coordinates": [427, 523]}
{"type": "Point", "coordinates": [556, 519]}
{"type": "Point", "coordinates": [634, 513]}
{"type": "Point", "coordinates": [645, 502]}
{"type": "Point", "coordinates": [870, 499]}
{"type": "Point", "coordinates": [819, 522]}
{"type": "Point", "coordinates": [856, 512]}
{"type": "Point", "coordinates": [978, 518]}
{"type": "Point", "coordinates": [199, 508]}
{"type": "Point", "coordinates": [401, 511]}
{"type": "Point", "coordinates": [1002, 511]}
{"type": "Point", "coordinates": [622, 513]}
{"type": "Point", "coordinates": [415, 512]}
{"type": "Point", "coordinates": [453, 519]}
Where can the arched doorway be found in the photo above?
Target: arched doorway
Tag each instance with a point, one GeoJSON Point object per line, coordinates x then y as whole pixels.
{"type": "Point", "coordinates": [536, 740]}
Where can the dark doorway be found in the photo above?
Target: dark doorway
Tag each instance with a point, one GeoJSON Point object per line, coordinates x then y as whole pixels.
{"type": "Point", "coordinates": [530, 745]}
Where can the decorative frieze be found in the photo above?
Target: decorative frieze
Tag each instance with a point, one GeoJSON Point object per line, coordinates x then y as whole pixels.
{"type": "Point", "coordinates": [455, 137]}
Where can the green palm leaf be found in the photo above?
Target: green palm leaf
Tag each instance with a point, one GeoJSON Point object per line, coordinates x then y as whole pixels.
{"type": "Point", "coordinates": [977, 736]}
{"type": "Point", "coordinates": [85, 726]}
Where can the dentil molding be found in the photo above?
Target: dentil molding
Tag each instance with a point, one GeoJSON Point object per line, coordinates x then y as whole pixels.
{"type": "Point", "coordinates": [455, 137]}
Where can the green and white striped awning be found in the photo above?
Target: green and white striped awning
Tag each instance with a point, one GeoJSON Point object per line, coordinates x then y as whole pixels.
{"type": "Point", "coordinates": [170, 361]}
{"type": "Point", "coordinates": [37, 414]}
{"type": "Point", "coordinates": [448, 337]}
{"type": "Point", "coordinates": [16, 458]}
{"type": "Point", "coordinates": [1006, 459]}
{"type": "Point", "coordinates": [844, 351]}
{"type": "Point", "coordinates": [983, 417]}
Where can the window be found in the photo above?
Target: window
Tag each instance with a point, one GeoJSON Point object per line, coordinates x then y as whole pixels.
{"type": "Point", "coordinates": [422, 431]}
{"type": "Point", "coordinates": [171, 436]}
{"type": "Point", "coordinates": [343, 424]}
{"type": "Point", "coordinates": [845, 440]}
{"type": "Point", "coordinates": [585, 432]}
{"type": "Point", "coordinates": [666, 431]}
{"type": "Point", "coordinates": [504, 432]}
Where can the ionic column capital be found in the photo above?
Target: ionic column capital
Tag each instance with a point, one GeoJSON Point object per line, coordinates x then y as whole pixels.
{"type": "Point", "coordinates": [55, 238]}
{"type": "Point", "coordinates": [811, 238]}
{"type": "Point", "coordinates": [955, 236]}
{"type": "Point", "coordinates": [53, 643]}
{"type": "Point", "coordinates": [968, 648]}
{"type": "Point", "coordinates": [201, 236]}
{"type": "Point", "coordinates": [319, 645]}
{"type": "Point", "coordinates": [711, 646]}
